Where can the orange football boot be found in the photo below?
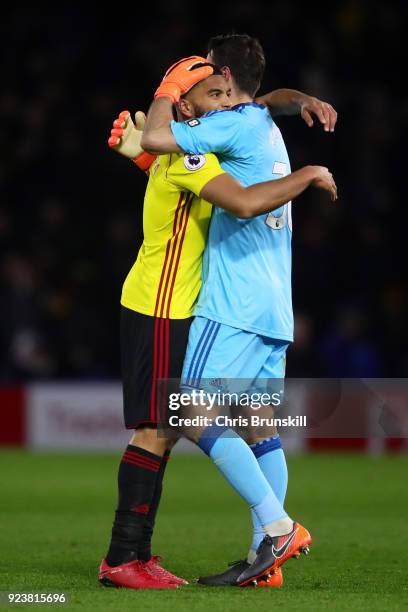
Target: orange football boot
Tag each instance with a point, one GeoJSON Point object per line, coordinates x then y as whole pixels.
{"type": "Point", "coordinates": [275, 579]}
{"type": "Point", "coordinates": [274, 552]}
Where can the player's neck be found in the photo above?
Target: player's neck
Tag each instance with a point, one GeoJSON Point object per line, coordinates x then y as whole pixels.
{"type": "Point", "coordinates": [242, 98]}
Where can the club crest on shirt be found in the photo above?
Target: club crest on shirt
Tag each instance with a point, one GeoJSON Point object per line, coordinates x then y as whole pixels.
{"type": "Point", "coordinates": [193, 122]}
{"type": "Point", "coordinates": [194, 162]}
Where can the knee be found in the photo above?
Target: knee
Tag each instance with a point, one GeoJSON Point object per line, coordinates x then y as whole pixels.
{"type": "Point", "coordinates": [250, 437]}
{"type": "Point", "coordinates": [152, 440]}
{"type": "Point", "coordinates": [254, 437]}
{"type": "Point", "coordinates": [143, 435]}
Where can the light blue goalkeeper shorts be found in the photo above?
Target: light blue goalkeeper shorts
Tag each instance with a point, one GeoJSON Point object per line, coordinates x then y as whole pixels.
{"type": "Point", "coordinates": [224, 358]}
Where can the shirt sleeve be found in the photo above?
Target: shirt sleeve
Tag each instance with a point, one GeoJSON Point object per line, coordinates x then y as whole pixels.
{"type": "Point", "coordinates": [216, 133]}
{"type": "Point", "coordinates": [193, 172]}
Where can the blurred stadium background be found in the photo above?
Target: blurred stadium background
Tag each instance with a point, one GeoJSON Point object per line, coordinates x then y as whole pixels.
{"type": "Point", "coordinates": [70, 215]}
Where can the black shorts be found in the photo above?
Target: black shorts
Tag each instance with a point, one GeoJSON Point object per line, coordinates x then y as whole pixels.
{"type": "Point", "coordinates": [151, 349]}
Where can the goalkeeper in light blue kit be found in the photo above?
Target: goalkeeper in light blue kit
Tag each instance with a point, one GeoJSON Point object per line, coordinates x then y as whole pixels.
{"type": "Point", "coordinates": [244, 317]}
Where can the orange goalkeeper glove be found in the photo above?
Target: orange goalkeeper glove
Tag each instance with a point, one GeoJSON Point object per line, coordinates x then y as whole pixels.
{"type": "Point", "coordinates": [182, 76]}
{"type": "Point", "coordinates": [126, 136]}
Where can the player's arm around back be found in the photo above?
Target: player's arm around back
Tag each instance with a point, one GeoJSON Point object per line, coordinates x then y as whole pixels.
{"type": "Point", "coordinates": [246, 202]}
{"type": "Point", "coordinates": [293, 102]}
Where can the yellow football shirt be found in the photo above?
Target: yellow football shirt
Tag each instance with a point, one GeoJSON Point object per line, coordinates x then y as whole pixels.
{"type": "Point", "coordinates": [165, 279]}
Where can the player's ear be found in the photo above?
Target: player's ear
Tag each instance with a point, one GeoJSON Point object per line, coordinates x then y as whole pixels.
{"type": "Point", "coordinates": [186, 108]}
{"type": "Point", "coordinates": [226, 73]}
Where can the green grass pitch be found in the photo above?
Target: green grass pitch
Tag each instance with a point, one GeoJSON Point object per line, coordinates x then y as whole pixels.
{"type": "Point", "coordinates": [56, 512]}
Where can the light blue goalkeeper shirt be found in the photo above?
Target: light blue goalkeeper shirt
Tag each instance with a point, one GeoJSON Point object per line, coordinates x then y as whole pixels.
{"type": "Point", "coordinates": [247, 262]}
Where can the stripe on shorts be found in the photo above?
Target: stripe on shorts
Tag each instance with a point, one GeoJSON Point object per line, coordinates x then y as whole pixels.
{"type": "Point", "coordinates": [201, 352]}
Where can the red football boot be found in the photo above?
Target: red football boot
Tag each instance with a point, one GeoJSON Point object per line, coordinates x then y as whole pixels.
{"type": "Point", "coordinates": [131, 575]}
{"type": "Point", "coordinates": [160, 572]}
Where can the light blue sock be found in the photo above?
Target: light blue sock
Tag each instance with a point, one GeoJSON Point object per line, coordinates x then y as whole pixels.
{"type": "Point", "coordinates": [271, 460]}
{"type": "Point", "coordinates": [238, 464]}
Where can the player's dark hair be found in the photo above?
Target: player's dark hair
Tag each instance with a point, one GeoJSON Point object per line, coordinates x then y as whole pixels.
{"type": "Point", "coordinates": [243, 55]}
{"type": "Point", "coordinates": [216, 71]}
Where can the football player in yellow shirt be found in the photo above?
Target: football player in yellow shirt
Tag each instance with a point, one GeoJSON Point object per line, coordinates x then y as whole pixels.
{"type": "Point", "coordinates": [157, 301]}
